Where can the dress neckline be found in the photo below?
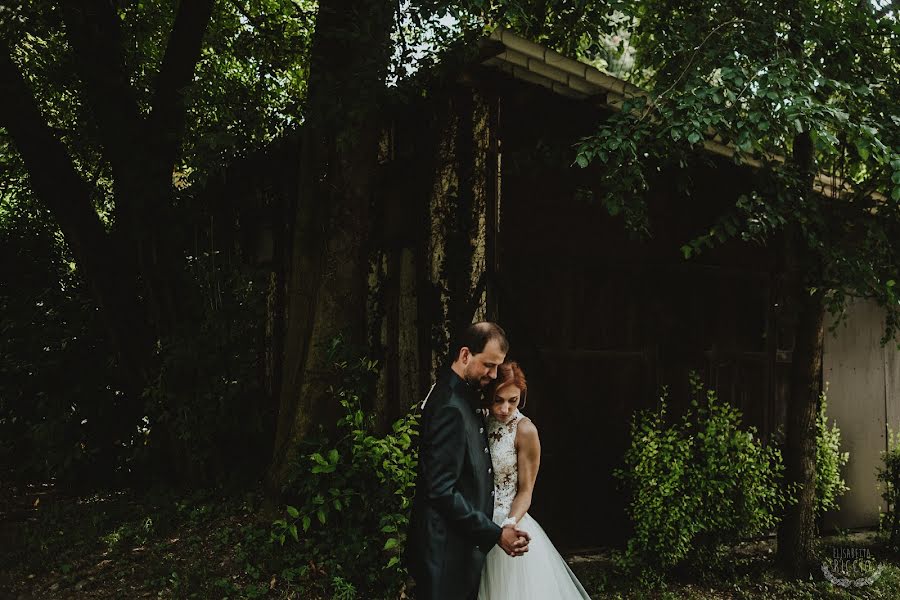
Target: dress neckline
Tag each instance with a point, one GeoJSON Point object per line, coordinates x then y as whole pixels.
{"type": "Point", "coordinates": [512, 419]}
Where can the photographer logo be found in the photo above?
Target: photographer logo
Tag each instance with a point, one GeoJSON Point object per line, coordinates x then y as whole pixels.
{"type": "Point", "coordinates": [851, 567]}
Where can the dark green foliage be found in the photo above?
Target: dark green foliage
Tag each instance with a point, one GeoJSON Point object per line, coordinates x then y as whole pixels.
{"type": "Point", "coordinates": [697, 486]}
{"type": "Point", "coordinates": [63, 413]}
{"type": "Point", "coordinates": [889, 479]}
{"type": "Point", "coordinates": [353, 497]}
{"type": "Point", "coordinates": [760, 85]}
{"type": "Point", "coordinates": [208, 404]}
{"type": "Point", "coordinates": [68, 404]}
{"type": "Point", "coordinates": [60, 408]}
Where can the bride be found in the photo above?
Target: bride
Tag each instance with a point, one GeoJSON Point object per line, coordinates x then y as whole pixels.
{"type": "Point", "coordinates": [541, 573]}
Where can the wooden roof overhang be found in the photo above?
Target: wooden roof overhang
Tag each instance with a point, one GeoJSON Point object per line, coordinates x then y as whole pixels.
{"type": "Point", "coordinates": [533, 63]}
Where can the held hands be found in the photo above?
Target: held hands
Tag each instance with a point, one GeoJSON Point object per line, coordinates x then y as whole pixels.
{"type": "Point", "coordinates": [514, 541]}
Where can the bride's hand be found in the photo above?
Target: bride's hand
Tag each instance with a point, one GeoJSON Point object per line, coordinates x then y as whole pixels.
{"type": "Point", "coordinates": [514, 541]}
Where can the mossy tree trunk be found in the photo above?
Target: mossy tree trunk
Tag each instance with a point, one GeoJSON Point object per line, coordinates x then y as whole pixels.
{"type": "Point", "coordinates": [326, 276]}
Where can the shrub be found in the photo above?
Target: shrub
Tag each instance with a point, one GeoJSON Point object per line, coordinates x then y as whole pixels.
{"type": "Point", "coordinates": [355, 494]}
{"type": "Point", "coordinates": [889, 479]}
{"type": "Point", "coordinates": [58, 386]}
{"type": "Point", "coordinates": [698, 485]}
{"type": "Point", "coordinates": [209, 417]}
{"type": "Point", "coordinates": [829, 461]}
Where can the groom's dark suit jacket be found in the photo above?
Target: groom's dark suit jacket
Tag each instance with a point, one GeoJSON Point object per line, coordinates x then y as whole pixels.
{"type": "Point", "coordinates": [450, 528]}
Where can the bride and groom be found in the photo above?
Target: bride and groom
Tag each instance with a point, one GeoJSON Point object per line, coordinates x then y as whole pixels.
{"type": "Point", "coordinates": [470, 535]}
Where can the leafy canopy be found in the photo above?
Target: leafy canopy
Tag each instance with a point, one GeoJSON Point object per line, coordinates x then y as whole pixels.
{"type": "Point", "coordinates": [767, 84]}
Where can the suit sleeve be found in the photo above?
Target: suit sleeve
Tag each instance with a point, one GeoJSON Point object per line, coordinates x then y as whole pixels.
{"type": "Point", "coordinates": [444, 455]}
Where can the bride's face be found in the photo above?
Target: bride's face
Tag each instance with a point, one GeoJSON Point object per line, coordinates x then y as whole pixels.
{"type": "Point", "coordinates": [505, 403]}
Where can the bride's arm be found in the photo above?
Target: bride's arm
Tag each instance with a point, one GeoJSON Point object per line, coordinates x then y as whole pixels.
{"type": "Point", "coordinates": [528, 452]}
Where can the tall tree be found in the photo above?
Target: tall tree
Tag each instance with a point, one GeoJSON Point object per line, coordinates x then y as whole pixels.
{"type": "Point", "coordinates": [133, 265]}
{"type": "Point", "coordinates": [328, 260]}
{"type": "Point", "coordinates": [805, 94]}
{"type": "Point", "coordinates": [121, 112]}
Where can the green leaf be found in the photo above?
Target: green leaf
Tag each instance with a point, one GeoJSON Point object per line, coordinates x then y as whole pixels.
{"type": "Point", "coordinates": [321, 516]}
{"type": "Point", "coordinates": [730, 228]}
{"type": "Point", "coordinates": [390, 543]}
{"type": "Point", "coordinates": [582, 160]}
{"type": "Point", "coordinates": [293, 511]}
{"type": "Point", "coordinates": [693, 137]}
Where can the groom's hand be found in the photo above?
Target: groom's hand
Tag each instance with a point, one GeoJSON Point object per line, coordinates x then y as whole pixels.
{"type": "Point", "coordinates": [514, 541]}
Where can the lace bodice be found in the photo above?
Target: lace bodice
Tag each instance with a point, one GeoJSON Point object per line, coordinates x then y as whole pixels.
{"type": "Point", "coordinates": [502, 439]}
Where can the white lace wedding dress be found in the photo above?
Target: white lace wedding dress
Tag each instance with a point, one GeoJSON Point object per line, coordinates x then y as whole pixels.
{"type": "Point", "coordinates": [539, 574]}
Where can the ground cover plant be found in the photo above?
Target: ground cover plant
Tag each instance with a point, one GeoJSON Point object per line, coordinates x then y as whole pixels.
{"type": "Point", "coordinates": [206, 545]}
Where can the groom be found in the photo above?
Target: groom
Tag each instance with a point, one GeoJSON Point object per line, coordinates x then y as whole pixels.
{"type": "Point", "coordinates": [450, 527]}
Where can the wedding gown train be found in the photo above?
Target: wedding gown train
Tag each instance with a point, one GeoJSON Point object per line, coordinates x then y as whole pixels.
{"type": "Point", "coordinates": [539, 574]}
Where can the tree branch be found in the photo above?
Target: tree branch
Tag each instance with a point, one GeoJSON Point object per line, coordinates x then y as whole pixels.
{"type": "Point", "coordinates": [167, 115]}
{"type": "Point", "coordinates": [92, 28]}
{"type": "Point", "coordinates": [684, 71]}
{"type": "Point", "coordinates": [58, 185]}
{"type": "Point", "coordinates": [53, 176]}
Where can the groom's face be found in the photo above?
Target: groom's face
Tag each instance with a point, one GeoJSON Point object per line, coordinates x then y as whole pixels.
{"type": "Point", "coordinates": [480, 369]}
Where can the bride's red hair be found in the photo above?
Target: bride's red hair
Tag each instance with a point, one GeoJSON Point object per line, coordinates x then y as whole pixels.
{"type": "Point", "coordinates": [508, 373]}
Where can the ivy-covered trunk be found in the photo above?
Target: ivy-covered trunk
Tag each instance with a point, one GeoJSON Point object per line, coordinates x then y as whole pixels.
{"type": "Point", "coordinates": [326, 276]}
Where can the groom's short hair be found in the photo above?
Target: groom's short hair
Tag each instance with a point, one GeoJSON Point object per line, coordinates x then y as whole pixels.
{"type": "Point", "coordinates": [476, 336]}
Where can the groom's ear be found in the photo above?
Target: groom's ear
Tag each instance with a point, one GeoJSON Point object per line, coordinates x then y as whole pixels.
{"type": "Point", "coordinates": [464, 354]}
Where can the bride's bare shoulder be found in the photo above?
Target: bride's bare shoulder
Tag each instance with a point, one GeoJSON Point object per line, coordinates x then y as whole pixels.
{"type": "Point", "coordinates": [526, 431]}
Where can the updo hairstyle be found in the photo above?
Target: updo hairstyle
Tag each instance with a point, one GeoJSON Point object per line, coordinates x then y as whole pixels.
{"type": "Point", "coordinates": [508, 373]}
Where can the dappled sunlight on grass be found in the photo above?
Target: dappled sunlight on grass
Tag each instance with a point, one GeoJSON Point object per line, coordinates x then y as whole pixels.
{"type": "Point", "coordinates": [205, 546]}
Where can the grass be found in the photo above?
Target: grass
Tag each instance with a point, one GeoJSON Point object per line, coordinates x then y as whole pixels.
{"type": "Point", "coordinates": [207, 546]}
{"type": "Point", "coordinates": [747, 574]}
{"type": "Point", "coordinates": [157, 546]}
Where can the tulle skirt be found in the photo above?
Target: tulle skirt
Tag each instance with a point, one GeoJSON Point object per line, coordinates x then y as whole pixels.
{"type": "Point", "coordinates": [539, 574]}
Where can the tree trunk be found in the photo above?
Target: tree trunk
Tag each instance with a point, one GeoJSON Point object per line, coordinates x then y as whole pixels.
{"type": "Point", "coordinates": [58, 185]}
{"type": "Point", "coordinates": [797, 531]}
{"type": "Point", "coordinates": [144, 210]}
{"type": "Point", "coordinates": [136, 272]}
{"type": "Point", "coordinates": [327, 275]}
